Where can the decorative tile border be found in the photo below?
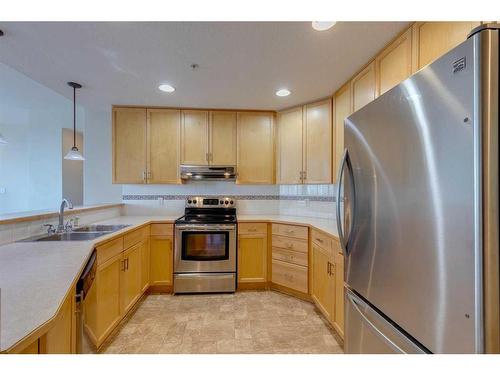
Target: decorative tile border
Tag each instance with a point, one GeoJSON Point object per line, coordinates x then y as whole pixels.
{"type": "Point", "coordinates": [154, 197]}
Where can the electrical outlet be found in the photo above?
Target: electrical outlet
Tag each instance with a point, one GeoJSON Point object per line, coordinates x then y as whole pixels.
{"type": "Point", "coordinates": [2, 190]}
{"type": "Point", "coordinates": [161, 201]}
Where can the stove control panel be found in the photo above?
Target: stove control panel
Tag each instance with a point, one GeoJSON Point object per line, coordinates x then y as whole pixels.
{"type": "Point", "coordinates": [211, 202]}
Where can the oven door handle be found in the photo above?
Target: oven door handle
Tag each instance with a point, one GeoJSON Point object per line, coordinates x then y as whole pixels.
{"type": "Point", "coordinates": [203, 228]}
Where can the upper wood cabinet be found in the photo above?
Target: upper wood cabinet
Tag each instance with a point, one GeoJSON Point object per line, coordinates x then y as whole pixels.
{"type": "Point", "coordinates": [255, 148]}
{"type": "Point", "coordinates": [342, 109]}
{"type": "Point", "coordinates": [304, 144]}
{"type": "Point", "coordinates": [433, 39]}
{"type": "Point", "coordinates": [317, 150]}
{"type": "Point", "coordinates": [394, 64]}
{"type": "Point", "coordinates": [194, 138]}
{"type": "Point", "coordinates": [129, 145]}
{"type": "Point", "coordinates": [363, 87]}
{"type": "Point", "coordinates": [289, 146]}
{"type": "Point", "coordinates": [222, 136]}
{"type": "Point", "coordinates": [163, 152]}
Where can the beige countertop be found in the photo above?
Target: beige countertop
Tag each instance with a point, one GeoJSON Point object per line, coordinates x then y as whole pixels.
{"type": "Point", "coordinates": [35, 277]}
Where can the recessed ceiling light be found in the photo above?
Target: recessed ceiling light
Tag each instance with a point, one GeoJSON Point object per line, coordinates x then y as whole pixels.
{"type": "Point", "coordinates": [166, 88]}
{"type": "Point", "coordinates": [283, 92]}
{"type": "Point", "coordinates": [322, 25]}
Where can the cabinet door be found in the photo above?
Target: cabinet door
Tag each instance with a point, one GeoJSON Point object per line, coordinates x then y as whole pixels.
{"type": "Point", "coordinates": [130, 283]}
{"type": "Point", "coordinates": [161, 268]}
{"type": "Point", "coordinates": [433, 39]}
{"type": "Point", "coordinates": [289, 146]}
{"type": "Point", "coordinates": [252, 258]}
{"type": "Point", "coordinates": [394, 64]}
{"type": "Point", "coordinates": [317, 148]}
{"type": "Point", "coordinates": [339, 289]}
{"type": "Point", "coordinates": [102, 304]}
{"type": "Point", "coordinates": [164, 127]}
{"type": "Point", "coordinates": [61, 338]}
{"type": "Point", "coordinates": [145, 264]}
{"type": "Point", "coordinates": [363, 87]}
{"type": "Point", "coordinates": [342, 102]}
{"type": "Point", "coordinates": [255, 148]}
{"type": "Point", "coordinates": [129, 145]}
{"type": "Point", "coordinates": [322, 291]}
{"type": "Point", "coordinates": [194, 138]}
{"type": "Point", "coordinates": [222, 138]}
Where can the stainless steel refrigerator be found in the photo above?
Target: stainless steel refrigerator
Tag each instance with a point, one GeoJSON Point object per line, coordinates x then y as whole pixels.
{"type": "Point", "coordinates": [418, 212]}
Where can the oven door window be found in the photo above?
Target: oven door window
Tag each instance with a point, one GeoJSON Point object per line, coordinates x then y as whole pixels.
{"type": "Point", "coordinates": [205, 246]}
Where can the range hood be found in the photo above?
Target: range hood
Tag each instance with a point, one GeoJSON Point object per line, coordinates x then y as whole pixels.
{"type": "Point", "coordinates": [208, 173]}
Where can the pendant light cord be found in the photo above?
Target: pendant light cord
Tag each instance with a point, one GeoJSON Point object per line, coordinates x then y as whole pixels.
{"type": "Point", "coordinates": [74, 116]}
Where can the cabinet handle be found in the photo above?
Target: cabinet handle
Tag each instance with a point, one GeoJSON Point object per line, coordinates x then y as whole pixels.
{"type": "Point", "coordinates": [289, 231]}
{"type": "Point", "coordinates": [332, 269]}
{"type": "Point", "coordinates": [289, 246]}
{"type": "Point", "coordinates": [328, 268]}
{"type": "Point", "coordinates": [304, 176]}
{"type": "Point", "coordinates": [126, 262]}
{"type": "Point", "coordinates": [144, 176]}
{"type": "Point", "coordinates": [150, 175]}
{"type": "Point", "coordinates": [123, 265]}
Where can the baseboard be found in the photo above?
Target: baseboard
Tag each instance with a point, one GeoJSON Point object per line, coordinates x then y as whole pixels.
{"type": "Point", "coordinates": [160, 289]}
{"type": "Point", "coordinates": [291, 292]}
{"type": "Point", "coordinates": [261, 285]}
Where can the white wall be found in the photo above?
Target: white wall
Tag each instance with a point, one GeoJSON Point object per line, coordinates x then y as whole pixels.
{"type": "Point", "coordinates": [31, 119]}
{"type": "Point", "coordinates": [98, 187]}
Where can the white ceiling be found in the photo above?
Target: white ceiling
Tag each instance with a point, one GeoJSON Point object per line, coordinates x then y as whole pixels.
{"type": "Point", "coordinates": [241, 64]}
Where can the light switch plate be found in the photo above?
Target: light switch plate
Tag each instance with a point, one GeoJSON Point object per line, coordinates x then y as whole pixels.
{"type": "Point", "coordinates": [2, 190]}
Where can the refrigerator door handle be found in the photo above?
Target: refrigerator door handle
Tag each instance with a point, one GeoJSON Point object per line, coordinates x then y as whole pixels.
{"type": "Point", "coordinates": [372, 326]}
{"type": "Point", "coordinates": [345, 162]}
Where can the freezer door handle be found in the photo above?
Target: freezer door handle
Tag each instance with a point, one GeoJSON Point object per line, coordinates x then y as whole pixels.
{"type": "Point", "coordinates": [356, 304]}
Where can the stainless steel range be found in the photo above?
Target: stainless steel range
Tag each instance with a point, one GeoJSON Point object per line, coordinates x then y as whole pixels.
{"type": "Point", "coordinates": [205, 246]}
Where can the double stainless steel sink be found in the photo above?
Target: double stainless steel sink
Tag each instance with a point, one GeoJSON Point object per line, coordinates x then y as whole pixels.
{"type": "Point", "coordinates": [88, 232]}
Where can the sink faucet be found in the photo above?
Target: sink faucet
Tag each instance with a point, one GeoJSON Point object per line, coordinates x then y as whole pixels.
{"type": "Point", "coordinates": [65, 203]}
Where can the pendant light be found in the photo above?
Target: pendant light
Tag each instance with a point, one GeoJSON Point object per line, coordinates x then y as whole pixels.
{"type": "Point", "coordinates": [74, 153]}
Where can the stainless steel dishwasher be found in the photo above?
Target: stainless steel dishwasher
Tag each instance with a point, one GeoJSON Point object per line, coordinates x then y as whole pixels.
{"type": "Point", "coordinates": [82, 287]}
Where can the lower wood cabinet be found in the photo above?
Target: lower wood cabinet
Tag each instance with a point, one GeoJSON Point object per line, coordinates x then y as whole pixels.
{"type": "Point", "coordinates": [338, 270]}
{"type": "Point", "coordinates": [145, 264]}
{"type": "Point", "coordinates": [252, 253]}
{"type": "Point", "coordinates": [61, 337]}
{"type": "Point", "coordinates": [130, 278]}
{"type": "Point", "coordinates": [290, 275]}
{"type": "Point", "coordinates": [102, 304]}
{"type": "Point", "coordinates": [323, 282]}
{"type": "Point", "coordinates": [161, 263]}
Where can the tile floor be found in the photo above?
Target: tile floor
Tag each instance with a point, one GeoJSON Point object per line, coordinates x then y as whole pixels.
{"type": "Point", "coordinates": [244, 322]}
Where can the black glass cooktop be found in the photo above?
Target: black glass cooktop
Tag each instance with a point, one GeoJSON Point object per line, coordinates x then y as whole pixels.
{"type": "Point", "coordinates": [208, 216]}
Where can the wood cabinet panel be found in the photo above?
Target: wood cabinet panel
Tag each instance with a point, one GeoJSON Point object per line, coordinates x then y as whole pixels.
{"type": "Point", "coordinates": [343, 108]}
{"type": "Point", "coordinates": [317, 149]}
{"type": "Point", "coordinates": [363, 87]}
{"type": "Point", "coordinates": [294, 231]}
{"type": "Point", "coordinates": [289, 275]}
{"type": "Point", "coordinates": [162, 229]}
{"type": "Point", "coordinates": [252, 228]}
{"type": "Point", "coordinates": [394, 64]}
{"type": "Point", "coordinates": [433, 39]}
{"type": "Point", "coordinates": [109, 250]}
{"type": "Point", "coordinates": [194, 137]}
{"type": "Point", "coordinates": [134, 237]}
{"type": "Point", "coordinates": [129, 145]}
{"type": "Point", "coordinates": [289, 146]}
{"type": "Point", "coordinates": [322, 240]}
{"type": "Point", "coordinates": [222, 138]}
{"type": "Point", "coordinates": [290, 243]}
{"type": "Point", "coordinates": [255, 148]}
{"type": "Point", "coordinates": [290, 256]}
{"type": "Point", "coordinates": [161, 253]}
{"type": "Point", "coordinates": [322, 288]}
{"type": "Point", "coordinates": [252, 258]}
{"type": "Point", "coordinates": [338, 321]}
{"type": "Point", "coordinates": [163, 146]}
{"type": "Point", "coordinates": [61, 337]}
{"type": "Point", "coordinates": [145, 265]}
{"type": "Point", "coordinates": [130, 283]}
{"type": "Point", "coordinates": [102, 303]}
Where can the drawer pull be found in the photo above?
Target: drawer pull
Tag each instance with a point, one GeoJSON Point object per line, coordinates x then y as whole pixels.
{"type": "Point", "coordinates": [252, 229]}
{"type": "Point", "coordinates": [289, 246]}
{"type": "Point", "coordinates": [289, 231]}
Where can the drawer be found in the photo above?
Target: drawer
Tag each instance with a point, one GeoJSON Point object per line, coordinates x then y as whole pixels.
{"type": "Point", "coordinates": [294, 231]}
{"type": "Point", "coordinates": [290, 275]}
{"type": "Point", "coordinates": [109, 250]}
{"type": "Point", "coordinates": [290, 256]}
{"type": "Point", "coordinates": [322, 240]}
{"type": "Point", "coordinates": [162, 229]}
{"type": "Point", "coordinates": [290, 243]}
{"type": "Point", "coordinates": [134, 237]}
{"type": "Point", "coordinates": [252, 228]}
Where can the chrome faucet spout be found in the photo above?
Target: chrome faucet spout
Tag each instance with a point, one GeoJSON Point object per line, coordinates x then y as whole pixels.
{"type": "Point", "coordinates": [65, 203]}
